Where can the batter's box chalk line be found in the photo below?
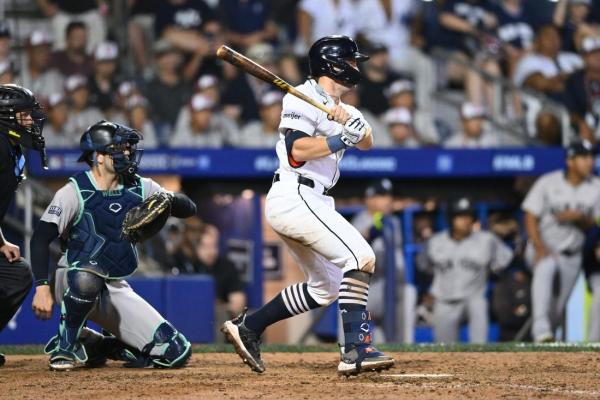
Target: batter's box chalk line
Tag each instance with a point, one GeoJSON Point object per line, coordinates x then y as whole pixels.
{"type": "Point", "coordinates": [426, 376]}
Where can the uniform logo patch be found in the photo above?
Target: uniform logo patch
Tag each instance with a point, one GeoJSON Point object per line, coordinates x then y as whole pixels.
{"type": "Point", "coordinates": [115, 207]}
{"type": "Point", "coordinates": [291, 115]}
{"type": "Point", "coordinates": [56, 210]}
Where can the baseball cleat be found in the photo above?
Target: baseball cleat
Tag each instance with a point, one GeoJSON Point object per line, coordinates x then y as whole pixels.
{"type": "Point", "coordinates": [61, 361]}
{"type": "Point", "coordinates": [363, 358]}
{"type": "Point", "coordinates": [245, 341]}
{"type": "Point", "coordinates": [2, 359]}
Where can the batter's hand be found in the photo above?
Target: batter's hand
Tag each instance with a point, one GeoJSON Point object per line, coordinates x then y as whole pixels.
{"type": "Point", "coordinates": [355, 130]}
{"type": "Point", "coordinates": [340, 114]}
{"type": "Point", "coordinates": [10, 251]}
{"type": "Point", "coordinates": [42, 302]}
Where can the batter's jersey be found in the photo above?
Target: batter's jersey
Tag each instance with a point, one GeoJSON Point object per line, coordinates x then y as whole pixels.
{"type": "Point", "coordinates": [460, 268]}
{"type": "Point", "coordinates": [301, 116]}
{"type": "Point", "coordinates": [64, 208]}
{"type": "Point", "coordinates": [551, 194]}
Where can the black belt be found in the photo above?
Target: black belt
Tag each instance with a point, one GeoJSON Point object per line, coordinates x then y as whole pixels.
{"type": "Point", "coordinates": [301, 180]}
{"type": "Point", "coordinates": [570, 253]}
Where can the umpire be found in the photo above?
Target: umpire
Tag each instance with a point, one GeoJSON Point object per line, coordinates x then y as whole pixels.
{"type": "Point", "coordinates": [20, 126]}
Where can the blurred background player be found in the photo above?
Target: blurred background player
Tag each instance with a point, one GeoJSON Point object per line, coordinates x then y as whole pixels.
{"type": "Point", "coordinates": [559, 209]}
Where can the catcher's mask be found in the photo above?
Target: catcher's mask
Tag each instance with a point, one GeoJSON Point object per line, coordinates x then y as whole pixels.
{"type": "Point", "coordinates": [14, 101]}
{"type": "Point", "coordinates": [114, 140]}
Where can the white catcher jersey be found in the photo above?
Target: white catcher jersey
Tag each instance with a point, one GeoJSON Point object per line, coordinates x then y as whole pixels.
{"type": "Point", "coordinates": [461, 268]}
{"type": "Point", "coordinates": [301, 116]}
{"type": "Point", "coordinates": [551, 194]}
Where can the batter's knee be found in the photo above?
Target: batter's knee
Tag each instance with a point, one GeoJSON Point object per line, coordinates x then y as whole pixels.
{"type": "Point", "coordinates": [85, 284]}
{"type": "Point", "coordinates": [169, 348]}
{"type": "Point", "coordinates": [365, 260]}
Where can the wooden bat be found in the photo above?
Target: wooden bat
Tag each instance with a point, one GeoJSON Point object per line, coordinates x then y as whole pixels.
{"type": "Point", "coordinates": [245, 64]}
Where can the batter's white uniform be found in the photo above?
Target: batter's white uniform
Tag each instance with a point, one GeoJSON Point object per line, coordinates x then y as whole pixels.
{"type": "Point", "coordinates": [551, 194]}
{"type": "Point", "coordinates": [321, 241]}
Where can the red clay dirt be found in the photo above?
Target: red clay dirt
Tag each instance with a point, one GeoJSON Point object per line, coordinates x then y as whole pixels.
{"type": "Point", "coordinates": [313, 376]}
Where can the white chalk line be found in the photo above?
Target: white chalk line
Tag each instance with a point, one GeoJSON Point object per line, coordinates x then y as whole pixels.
{"type": "Point", "coordinates": [418, 375]}
{"type": "Point", "coordinates": [578, 392]}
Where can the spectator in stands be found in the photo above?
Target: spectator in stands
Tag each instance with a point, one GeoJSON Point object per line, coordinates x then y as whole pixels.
{"type": "Point", "coordinates": [201, 126]}
{"type": "Point", "coordinates": [181, 243]}
{"type": "Point", "coordinates": [247, 22]}
{"type": "Point", "coordinates": [378, 76]}
{"type": "Point", "coordinates": [183, 23]}
{"type": "Point", "coordinates": [64, 12]}
{"type": "Point", "coordinates": [7, 74]}
{"type": "Point", "coordinates": [460, 259]}
{"type": "Point", "coordinates": [103, 83]}
{"type": "Point", "coordinates": [230, 298]}
{"type": "Point", "coordinates": [4, 41]}
{"type": "Point", "coordinates": [571, 17]}
{"type": "Point", "coordinates": [37, 74]}
{"type": "Point", "coordinates": [81, 114]}
{"type": "Point", "coordinates": [582, 94]}
{"type": "Point", "coordinates": [56, 131]}
{"type": "Point", "coordinates": [473, 135]}
{"type": "Point", "coordinates": [546, 68]}
{"type": "Point", "coordinates": [400, 129]}
{"type": "Point", "coordinates": [401, 94]}
{"type": "Point", "coordinates": [389, 22]}
{"type": "Point", "coordinates": [515, 31]}
{"type": "Point", "coordinates": [167, 92]}
{"type": "Point", "coordinates": [140, 32]}
{"type": "Point", "coordinates": [137, 118]}
{"type": "Point", "coordinates": [290, 70]}
{"type": "Point", "coordinates": [209, 86]}
{"type": "Point", "coordinates": [242, 91]}
{"type": "Point", "coordinates": [263, 133]}
{"type": "Point", "coordinates": [369, 222]}
{"type": "Point", "coordinates": [465, 32]}
{"type": "Point", "coordinates": [317, 18]}
{"type": "Point", "coordinates": [74, 60]}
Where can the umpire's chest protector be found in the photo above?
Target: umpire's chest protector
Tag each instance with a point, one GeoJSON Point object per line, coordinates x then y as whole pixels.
{"type": "Point", "coordinates": [95, 241]}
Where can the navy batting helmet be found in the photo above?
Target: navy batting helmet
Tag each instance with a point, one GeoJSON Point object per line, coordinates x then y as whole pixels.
{"type": "Point", "coordinates": [114, 139]}
{"type": "Point", "coordinates": [15, 99]}
{"type": "Point", "coordinates": [329, 56]}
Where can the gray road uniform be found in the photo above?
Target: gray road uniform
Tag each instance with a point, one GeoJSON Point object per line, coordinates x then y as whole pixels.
{"type": "Point", "coordinates": [460, 274]}
{"type": "Point", "coordinates": [551, 194]}
{"type": "Point", "coordinates": [118, 309]}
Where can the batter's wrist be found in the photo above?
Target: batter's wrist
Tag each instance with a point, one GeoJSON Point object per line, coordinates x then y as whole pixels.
{"type": "Point", "coordinates": [335, 143]}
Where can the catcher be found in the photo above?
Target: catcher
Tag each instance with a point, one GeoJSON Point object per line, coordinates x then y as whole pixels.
{"type": "Point", "coordinates": [89, 215]}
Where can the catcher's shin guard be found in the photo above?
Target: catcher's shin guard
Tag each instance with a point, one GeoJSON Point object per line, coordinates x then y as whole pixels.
{"type": "Point", "coordinates": [245, 341]}
{"type": "Point", "coordinates": [357, 354]}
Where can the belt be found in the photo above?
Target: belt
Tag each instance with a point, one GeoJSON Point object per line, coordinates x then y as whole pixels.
{"type": "Point", "coordinates": [570, 253]}
{"type": "Point", "coordinates": [301, 180]}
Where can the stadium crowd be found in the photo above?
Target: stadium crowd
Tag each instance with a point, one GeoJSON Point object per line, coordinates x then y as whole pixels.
{"type": "Point", "coordinates": [154, 67]}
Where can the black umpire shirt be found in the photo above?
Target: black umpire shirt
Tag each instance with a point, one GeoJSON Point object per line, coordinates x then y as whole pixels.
{"type": "Point", "coordinates": [8, 179]}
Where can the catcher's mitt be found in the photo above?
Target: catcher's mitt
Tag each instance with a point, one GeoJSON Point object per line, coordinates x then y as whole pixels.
{"type": "Point", "coordinates": [146, 219]}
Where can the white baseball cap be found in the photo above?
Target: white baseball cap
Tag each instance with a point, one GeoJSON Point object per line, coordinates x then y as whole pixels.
{"type": "Point", "coordinates": [39, 37]}
{"type": "Point", "coordinates": [590, 43]}
{"type": "Point", "coordinates": [269, 98]}
{"type": "Point", "coordinates": [206, 81]}
{"type": "Point", "coordinates": [136, 101]}
{"type": "Point", "coordinates": [472, 110]}
{"type": "Point", "coordinates": [74, 82]}
{"type": "Point", "coordinates": [400, 86]}
{"type": "Point", "coordinates": [55, 99]}
{"type": "Point", "coordinates": [106, 51]}
{"type": "Point", "coordinates": [261, 53]}
{"type": "Point", "coordinates": [398, 115]}
{"type": "Point", "coordinates": [201, 102]}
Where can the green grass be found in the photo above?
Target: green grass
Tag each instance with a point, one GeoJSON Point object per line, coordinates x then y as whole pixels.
{"type": "Point", "coordinates": [392, 347]}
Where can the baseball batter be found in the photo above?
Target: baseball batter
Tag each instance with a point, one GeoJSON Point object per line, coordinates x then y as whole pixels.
{"type": "Point", "coordinates": [461, 260]}
{"type": "Point", "coordinates": [335, 258]}
{"type": "Point", "coordinates": [560, 207]}
{"type": "Point", "coordinates": [87, 214]}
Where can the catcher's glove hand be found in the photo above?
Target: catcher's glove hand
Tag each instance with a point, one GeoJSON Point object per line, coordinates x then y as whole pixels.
{"type": "Point", "coordinates": [146, 219]}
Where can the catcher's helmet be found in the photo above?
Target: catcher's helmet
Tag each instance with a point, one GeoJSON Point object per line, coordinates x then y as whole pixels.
{"type": "Point", "coordinates": [13, 100]}
{"type": "Point", "coordinates": [329, 56]}
{"type": "Point", "coordinates": [114, 139]}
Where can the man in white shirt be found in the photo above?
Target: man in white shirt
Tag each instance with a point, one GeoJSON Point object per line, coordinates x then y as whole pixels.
{"type": "Point", "coordinates": [473, 135]}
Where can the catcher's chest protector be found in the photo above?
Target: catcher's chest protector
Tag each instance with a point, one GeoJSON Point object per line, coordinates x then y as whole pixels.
{"type": "Point", "coordinates": [95, 238]}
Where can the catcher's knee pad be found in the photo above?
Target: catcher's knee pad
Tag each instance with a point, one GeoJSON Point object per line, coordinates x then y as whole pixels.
{"type": "Point", "coordinates": [83, 284]}
{"type": "Point", "coordinates": [169, 348]}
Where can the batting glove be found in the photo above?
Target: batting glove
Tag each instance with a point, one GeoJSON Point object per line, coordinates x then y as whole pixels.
{"type": "Point", "coordinates": [354, 131]}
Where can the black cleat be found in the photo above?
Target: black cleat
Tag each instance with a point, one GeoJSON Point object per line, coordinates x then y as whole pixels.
{"type": "Point", "coordinates": [2, 359]}
{"type": "Point", "coordinates": [245, 341]}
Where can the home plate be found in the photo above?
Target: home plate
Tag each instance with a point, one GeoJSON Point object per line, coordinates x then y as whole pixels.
{"type": "Point", "coordinates": [434, 376]}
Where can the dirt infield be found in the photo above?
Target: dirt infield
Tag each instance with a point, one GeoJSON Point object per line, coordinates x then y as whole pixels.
{"type": "Point", "coordinates": [313, 376]}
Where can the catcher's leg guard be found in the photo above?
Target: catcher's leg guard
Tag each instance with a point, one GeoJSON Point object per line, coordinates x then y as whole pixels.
{"type": "Point", "coordinates": [80, 297]}
{"type": "Point", "coordinates": [168, 349]}
{"type": "Point", "coordinates": [357, 354]}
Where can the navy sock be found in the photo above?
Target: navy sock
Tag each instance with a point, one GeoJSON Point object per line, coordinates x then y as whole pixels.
{"type": "Point", "coordinates": [292, 300]}
{"type": "Point", "coordinates": [354, 291]}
